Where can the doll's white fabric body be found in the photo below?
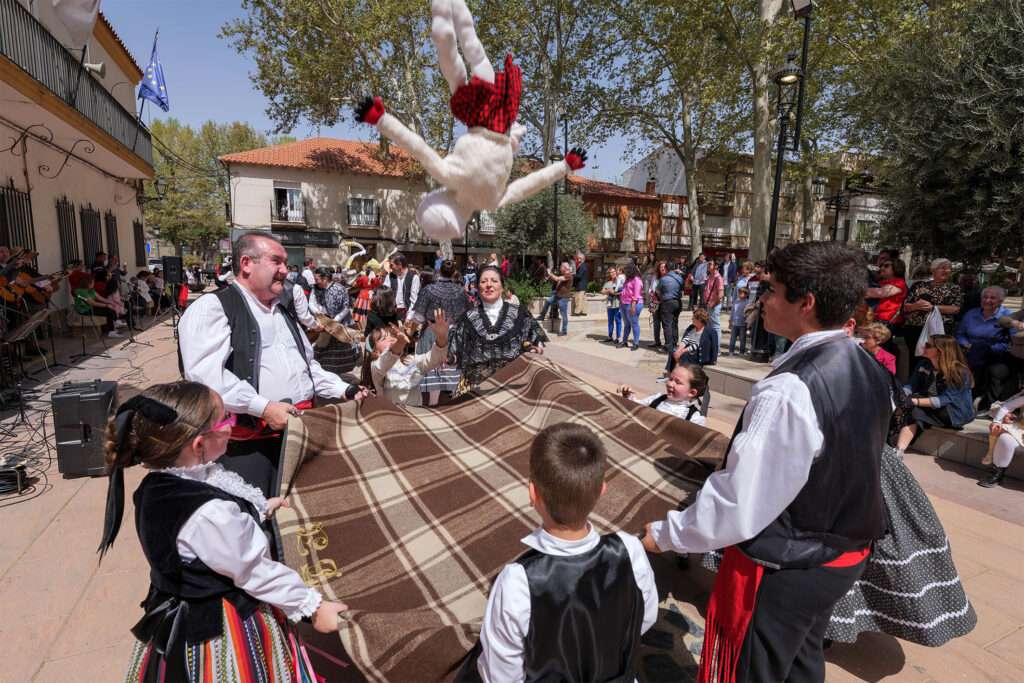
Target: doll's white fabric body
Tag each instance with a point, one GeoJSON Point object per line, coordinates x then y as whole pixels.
{"type": "Point", "coordinates": [475, 174]}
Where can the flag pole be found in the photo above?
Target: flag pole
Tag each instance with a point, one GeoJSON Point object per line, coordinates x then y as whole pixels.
{"type": "Point", "coordinates": [138, 119]}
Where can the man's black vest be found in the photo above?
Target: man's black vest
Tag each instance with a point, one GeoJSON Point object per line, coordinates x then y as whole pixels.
{"type": "Point", "coordinates": [586, 613]}
{"type": "Point", "coordinates": [840, 508]}
{"type": "Point", "coordinates": [406, 287]}
{"type": "Point", "coordinates": [244, 359]}
{"type": "Point", "coordinates": [186, 594]}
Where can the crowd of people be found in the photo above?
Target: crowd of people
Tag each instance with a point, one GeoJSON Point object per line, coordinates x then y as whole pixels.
{"type": "Point", "coordinates": [790, 542]}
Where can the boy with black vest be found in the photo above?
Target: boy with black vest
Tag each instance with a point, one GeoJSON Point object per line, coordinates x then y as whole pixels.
{"type": "Point", "coordinates": [573, 607]}
{"type": "Point", "coordinates": [798, 502]}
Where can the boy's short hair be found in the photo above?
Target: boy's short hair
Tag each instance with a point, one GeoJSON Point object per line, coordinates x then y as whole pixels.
{"type": "Point", "coordinates": [879, 331]}
{"type": "Point", "coordinates": [744, 290]}
{"type": "Point", "coordinates": [567, 466]}
{"type": "Point", "coordinates": [835, 273]}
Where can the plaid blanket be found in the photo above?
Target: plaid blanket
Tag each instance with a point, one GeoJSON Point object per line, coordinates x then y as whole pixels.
{"type": "Point", "coordinates": [408, 514]}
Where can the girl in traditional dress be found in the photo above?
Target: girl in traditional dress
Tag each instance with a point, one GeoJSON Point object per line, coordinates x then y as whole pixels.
{"type": "Point", "coordinates": [1006, 435]}
{"type": "Point", "coordinates": [219, 608]}
{"type": "Point", "coordinates": [491, 334]}
{"type": "Point", "coordinates": [331, 299]}
{"type": "Point", "coordinates": [449, 296]}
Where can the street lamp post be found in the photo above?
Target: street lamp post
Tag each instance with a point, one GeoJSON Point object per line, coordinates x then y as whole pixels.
{"type": "Point", "coordinates": [790, 79]}
{"type": "Point", "coordinates": [852, 186]}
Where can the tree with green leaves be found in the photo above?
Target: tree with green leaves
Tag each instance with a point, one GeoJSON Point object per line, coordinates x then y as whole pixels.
{"type": "Point", "coordinates": [195, 188]}
{"type": "Point", "coordinates": [525, 227]}
{"type": "Point", "coordinates": [947, 114]}
{"type": "Point", "coordinates": [684, 95]}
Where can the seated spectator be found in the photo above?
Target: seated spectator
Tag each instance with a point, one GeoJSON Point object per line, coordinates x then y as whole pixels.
{"type": "Point", "coordinates": [890, 292]}
{"type": "Point", "coordinates": [89, 302]}
{"type": "Point", "coordinates": [1015, 324]}
{"type": "Point", "coordinates": [696, 345]}
{"type": "Point", "coordinates": [986, 344]}
{"type": "Point", "coordinates": [873, 336]}
{"type": "Point", "coordinates": [939, 389]}
{"type": "Point", "coordinates": [1006, 435]}
{"type": "Point", "coordinates": [683, 395]}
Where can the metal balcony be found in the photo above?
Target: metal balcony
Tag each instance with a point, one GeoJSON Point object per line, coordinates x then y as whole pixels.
{"type": "Point", "coordinates": [283, 214]}
{"type": "Point", "coordinates": [29, 45]}
{"type": "Point", "coordinates": [673, 240]}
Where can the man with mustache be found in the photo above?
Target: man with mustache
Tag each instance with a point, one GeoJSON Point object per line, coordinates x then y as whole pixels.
{"type": "Point", "coordinates": [244, 342]}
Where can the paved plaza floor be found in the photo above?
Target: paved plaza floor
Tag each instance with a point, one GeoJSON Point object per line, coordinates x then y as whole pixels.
{"type": "Point", "coordinates": [66, 618]}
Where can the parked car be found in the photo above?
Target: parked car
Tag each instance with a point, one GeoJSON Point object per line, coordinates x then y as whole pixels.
{"type": "Point", "coordinates": [154, 264]}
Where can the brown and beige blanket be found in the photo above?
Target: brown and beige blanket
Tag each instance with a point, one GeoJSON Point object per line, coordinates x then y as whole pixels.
{"type": "Point", "coordinates": [408, 514]}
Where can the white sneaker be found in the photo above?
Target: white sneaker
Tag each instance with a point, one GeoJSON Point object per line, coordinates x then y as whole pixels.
{"type": "Point", "coordinates": [120, 323]}
{"type": "Point", "coordinates": [114, 334]}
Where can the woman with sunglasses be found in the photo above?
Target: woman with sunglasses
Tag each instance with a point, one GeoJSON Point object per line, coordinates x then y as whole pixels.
{"type": "Point", "coordinates": [219, 608]}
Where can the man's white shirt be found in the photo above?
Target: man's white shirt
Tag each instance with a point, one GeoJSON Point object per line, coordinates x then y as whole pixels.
{"type": "Point", "coordinates": [205, 340]}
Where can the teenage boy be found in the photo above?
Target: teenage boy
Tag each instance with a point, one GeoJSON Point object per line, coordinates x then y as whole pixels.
{"type": "Point", "coordinates": [798, 502]}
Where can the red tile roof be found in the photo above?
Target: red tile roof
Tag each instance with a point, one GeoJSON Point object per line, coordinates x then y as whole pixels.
{"type": "Point", "coordinates": [332, 155]}
{"type": "Point", "coordinates": [590, 186]}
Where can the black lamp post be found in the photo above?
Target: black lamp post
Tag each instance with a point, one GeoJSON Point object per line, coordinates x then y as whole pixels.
{"type": "Point", "coordinates": [855, 185]}
{"type": "Point", "coordinates": [790, 79]}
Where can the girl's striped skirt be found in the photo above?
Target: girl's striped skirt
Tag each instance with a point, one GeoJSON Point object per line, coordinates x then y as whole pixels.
{"type": "Point", "coordinates": [261, 649]}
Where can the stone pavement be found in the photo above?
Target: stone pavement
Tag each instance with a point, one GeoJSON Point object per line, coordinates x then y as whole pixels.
{"type": "Point", "coordinates": [66, 618]}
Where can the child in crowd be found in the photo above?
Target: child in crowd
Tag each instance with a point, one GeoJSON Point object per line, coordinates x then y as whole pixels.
{"type": "Point", "coordinates": [684, 390]}
{"type": "Point", "coordinates": [1005, 436]}
{"type": "Point", "coordinates": [218, 606]}
{"type": "Point", "coordinates": [573, 607]}
{"type": "Point", "coordinates": [395, 370]}
{"type": "Point", "coordinates": [940, 390]}
{"type": "Point", "coordinates": [738, 321]}
{"type": "Point", "coordinates": [872, 336]}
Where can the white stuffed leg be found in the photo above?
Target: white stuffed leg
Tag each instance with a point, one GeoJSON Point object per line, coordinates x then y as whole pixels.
{"type": "Point", "coordinates": [471, 46]}
{"type": "Point", "coordinates": [442, 32]}
{"type": "Point", "coordinates": [440, 217]}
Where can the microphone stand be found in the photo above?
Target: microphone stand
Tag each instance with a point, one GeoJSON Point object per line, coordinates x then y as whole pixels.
{"type": "Point", "coordinates": [131, 319]}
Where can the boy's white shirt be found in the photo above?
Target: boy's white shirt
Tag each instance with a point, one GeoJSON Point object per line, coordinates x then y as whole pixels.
{"type": "Point", "coordinates": [507, 616]}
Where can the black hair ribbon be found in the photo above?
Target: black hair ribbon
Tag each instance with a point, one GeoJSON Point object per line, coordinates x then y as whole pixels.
{"type": "Point", "coordinates": [152, 410]}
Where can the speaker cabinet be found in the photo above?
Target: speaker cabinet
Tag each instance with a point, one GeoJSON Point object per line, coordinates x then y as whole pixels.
{"type": "Point", "coordinates": [171, 266]}
{"type": "Point", "coordinates": [80, 413]}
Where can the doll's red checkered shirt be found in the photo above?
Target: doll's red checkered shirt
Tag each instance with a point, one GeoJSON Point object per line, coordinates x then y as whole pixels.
{"type": "Point", "coordinates": [494, 106]}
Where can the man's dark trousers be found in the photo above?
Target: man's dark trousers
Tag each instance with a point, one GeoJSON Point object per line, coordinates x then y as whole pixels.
{"type": "Point", "coordinates": [668, 313]}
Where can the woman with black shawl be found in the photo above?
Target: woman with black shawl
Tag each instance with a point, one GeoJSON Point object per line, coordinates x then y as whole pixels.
{"type": "Point", "coordinates": [445, 294]}
{"type": "Point", "coordinates": [331, 299]}
{"type": "Point", "coordinates": [492, 334]}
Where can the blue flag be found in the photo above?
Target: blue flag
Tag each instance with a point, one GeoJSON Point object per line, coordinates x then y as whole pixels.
{"type": "Point", "coordinates": [153, 86]}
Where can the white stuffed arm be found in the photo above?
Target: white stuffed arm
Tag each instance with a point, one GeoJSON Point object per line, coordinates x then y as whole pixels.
{"type": "Point", "coordinates": [529, 185]}
{"type": "Point", "coordinates": [412, 143]}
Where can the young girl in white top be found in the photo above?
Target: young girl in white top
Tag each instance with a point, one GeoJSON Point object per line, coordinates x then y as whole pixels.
{"type": "Point", "coordinates": [1005, 436]}
{"type": "Point", "coordinates": [219, 608]}
{"type": "Point", "coordinates": [684, 390]}
{"type": "Point", "coordinates": [395, 371]}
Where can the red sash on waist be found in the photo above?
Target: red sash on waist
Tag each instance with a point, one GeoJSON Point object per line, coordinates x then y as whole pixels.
{"type": "Point", "coordinates": [731, 609]}
{"type": "Point", "coordinates": [262, 430]}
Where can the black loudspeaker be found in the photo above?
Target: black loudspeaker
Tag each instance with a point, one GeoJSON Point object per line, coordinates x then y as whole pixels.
{"type": "Point", "coordinates": [171, 265]}
{"type": "Point", "coordinates": [80, 413]}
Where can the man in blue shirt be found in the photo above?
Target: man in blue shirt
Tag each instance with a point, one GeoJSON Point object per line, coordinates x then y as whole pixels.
{"type": "Point", "coordinates": [987, 346]}
{"type": "Point", "coordinates": [670, 292]}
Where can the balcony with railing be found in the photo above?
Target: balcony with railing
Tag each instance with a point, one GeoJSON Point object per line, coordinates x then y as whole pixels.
{"type": "Point", "coordinates": [30, 46]}
{"type": "Point", "coordinates": [288, 213]}
{"type": "Point", "coordinates": [669, 239]}
{"type": "Point", "coordinates": [715, 202]}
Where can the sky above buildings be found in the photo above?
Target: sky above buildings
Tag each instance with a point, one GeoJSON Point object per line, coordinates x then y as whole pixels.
{"type": "Point", "coordinates": [208, 79]}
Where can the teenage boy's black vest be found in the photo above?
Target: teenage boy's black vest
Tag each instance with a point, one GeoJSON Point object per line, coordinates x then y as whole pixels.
{"type": "Point", "coordinates": [840, 508]}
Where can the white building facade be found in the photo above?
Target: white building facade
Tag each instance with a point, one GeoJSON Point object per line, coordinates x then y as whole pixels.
{"type": "Point", "coordinates": [323, 198]}
{"type": "Point", "coordinates": [72, 152]}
